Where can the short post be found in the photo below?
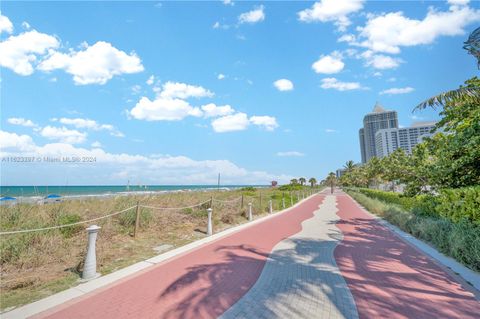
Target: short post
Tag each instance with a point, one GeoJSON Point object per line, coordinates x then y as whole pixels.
{"type": "Point", "coordinates": [90, 266]}
{"type": "Point", "coordinates": [241, 205]}
{"type": "Point", "coordinates": [250, 217]}
{"type": "Point", "coordinates": [303, 195]}
{"type": "Point", "coordinates": [137, 221]}
{"type": "Point", "coordinates": [283, 202]}
{"type": "Point", "coordinates": [270, 210]}
{"type": "Point", "coordinates": [209, 225]}
{"type": "Point", "coordinates": [291, 200]}
{"type": "Point", "coordinates": [298, 197]}
{"type": "Point", "coordinates": [261, 202]}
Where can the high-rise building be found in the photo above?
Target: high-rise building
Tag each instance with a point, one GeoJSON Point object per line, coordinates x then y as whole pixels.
{"type": "Point", "coordinates": [378, 119]}
{"type": "Point", "coordinates": [388, 140]}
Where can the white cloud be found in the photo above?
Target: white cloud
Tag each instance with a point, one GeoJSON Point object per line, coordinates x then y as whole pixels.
{"type": "Point", "coordinates": [283, 85]}
{"type": "Point", "coordinates": [330, 130]}
{"type": "Point", "coordinates": [150, 80]}
{"type": "Point", "coordinates": [63, 135]}
{"type": "Point", "coordinates": [21, 121]}
{"type": "Point", "coordinates": [228, 2]}
{"type": "Point", "coordinates": [26, 25]}
{"type": "Point", "coordinates": [349, 38]}
{"type": "Point", "coordinates": [117, 168]}
{"type": "Point", "coordinates": [329, 64]}
{"type": "Point", "coordinates": [96, 144]}
{"type": "Point", "coordinates": [380, 61]}
{"type": "Point", "coordinates": [230, 123]}
{"type": "Point", "coordinates": [95, 64]}
{"type": "Point", "coordinates": [173, 90]}
{"type": "Point", "coordinates": [254, 16]}
{"type": "Point", "coordinates": [12, 141]}
{"type": "Point", "coordinates": [333, 83]}
{"type": "Point", "coordinates": [5, 24]}
{"type": "Point", "coordinates": [398, 90]}
{"type": "Point", "coordinates": [221, 76]}
{"type": "Point", "coordinates": [390, 31]}
{"type": "Point", "coordinates": [290, 154]}
{"type": "Point", "coordinates": [19, 52]}
{"type": "Point", "coordinates": [216, 25]}
{"type": "Point", "coordinates": [269, 123]}
{"type": "Point", "coordinates": [81, 123]}
{"type": "Point", "coordinates": [163, 109]}
{"type": "Point", "coordinates": [336, 11]}
{"type": "Point", "coordinates": [212, 110]}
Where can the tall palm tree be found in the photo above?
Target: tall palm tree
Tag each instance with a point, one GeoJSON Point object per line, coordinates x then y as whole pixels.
{"type": "Point", "coordinates": [349, 166]}
{"type": "Point", "coordinates": [294, 181]}
{"type": "Point", "coordinates": [331, 180]}
{"type": "Point", "coordinates": [468, 94]}
{"type": "Point", "coordinates": [302, 180]}
{"type": "Point", "coordinates": [312, 181]}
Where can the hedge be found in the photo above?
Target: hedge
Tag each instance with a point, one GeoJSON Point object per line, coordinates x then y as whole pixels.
{"type": "Point", "coordinates": [453, 204]}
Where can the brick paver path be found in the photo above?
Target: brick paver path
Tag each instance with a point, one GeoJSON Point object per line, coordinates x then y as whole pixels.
{"type": "Point", "coordinates": [315, 261]}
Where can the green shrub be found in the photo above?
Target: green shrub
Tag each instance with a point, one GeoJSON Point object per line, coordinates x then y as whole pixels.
{"type": "Point", "coordinates": [461, 203]}
{"type": "Point", "coordinates": [128, 218]}
{"type": "Point", "coordinates": [64, 219]}
{"type": "Point", "coordinates": [248, 189]}
{"type": "Point", "coordinates": [291, 187]}
{"type": "Point", "coordinates": [389, 197]}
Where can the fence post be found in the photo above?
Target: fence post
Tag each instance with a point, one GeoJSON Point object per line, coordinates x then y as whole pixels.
{"type": "Point", "coordinates": [241, 206]}
{"type": "Point", "coordinates": [209, 225]}
{"type": "Point", "coordinates": [137, 221]}
{"type": "Point", "coordinates": [270, 206]}
{"type": "Point", "coordinates": [291, 199]}
{"type": "Point", "coordinates": [298, 196]}
{"type": "Point", "coordinates": [90, 266]}
{"type": "Point", "coordinates": [283, 202]}
{"type": "Point", "coordinates": [261, 209]}
{"type": "Point", "coordinates": [211, 202]}
{"type": "Point", "coordinates": [250, 217]}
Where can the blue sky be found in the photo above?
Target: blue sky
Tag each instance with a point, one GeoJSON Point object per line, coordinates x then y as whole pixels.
{"type": "Point", "coordinates": [177, 92]}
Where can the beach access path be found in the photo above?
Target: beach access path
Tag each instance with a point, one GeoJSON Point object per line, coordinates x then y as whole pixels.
{"type": "Point", "coordinates": [323, 258]}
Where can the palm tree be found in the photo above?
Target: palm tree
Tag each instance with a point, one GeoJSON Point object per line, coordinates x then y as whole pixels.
{"type": "Point", "coordinates": [349, 166]}
{"type": "Point", "coordinates": [331, 180]}
{"type": "Point", "coordinates": [312, 181]}
{"type": "Point", "coordinates": [470, 94]}
{"type": "Point", "coordinates": [294, 181]}
{"type": "Point", "coordinates": [302, 180]}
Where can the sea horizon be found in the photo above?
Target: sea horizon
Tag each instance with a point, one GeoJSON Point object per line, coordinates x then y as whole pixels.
{"type": "Point", "coordinates": [98, 190]}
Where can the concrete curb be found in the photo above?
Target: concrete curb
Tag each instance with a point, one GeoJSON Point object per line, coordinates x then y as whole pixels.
{"type": "Point", "coordinates": [103, 281]}
{"type": "Point", "coordinates": [469, 278]}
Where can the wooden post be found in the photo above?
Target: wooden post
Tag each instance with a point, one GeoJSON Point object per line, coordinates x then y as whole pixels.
{"type": "Point", "coordinates": [241, 206]}
{"type": "Point", "coordinates": [291, 199]}
{"type": "Point", "coordinates": [211, 202]}
{"type": "Point", "coordinates": [261, 202]}
{"type": "Point", "coordinates": [137, 221]}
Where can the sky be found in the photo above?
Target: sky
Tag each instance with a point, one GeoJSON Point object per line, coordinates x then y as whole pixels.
{"type": "Point", "coordinates": [102, 93]}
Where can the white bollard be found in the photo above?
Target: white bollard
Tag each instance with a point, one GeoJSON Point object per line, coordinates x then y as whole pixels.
{"type": "Point", "coordinates": [291, 200]}
{"type": "Point", "coordinates": [250, 217]}
{"type": "Point", "coordinates": [209, 225]}
{"type": "Point", "coordinates": [283, 203]}
{"type": "Point", "coordinates": [90, 266]}
{"type": "Point", "coordinates": [270, 210]}
{"type": "Point", "coordinates": [298, 197]}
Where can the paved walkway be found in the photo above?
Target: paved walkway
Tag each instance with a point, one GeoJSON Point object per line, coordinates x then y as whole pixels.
{"type": "Point", "coordinates": [325, 258]}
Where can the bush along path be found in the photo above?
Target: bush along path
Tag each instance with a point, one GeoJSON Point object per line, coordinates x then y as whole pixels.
{"type": "Point", "coordinates": [324, 258]}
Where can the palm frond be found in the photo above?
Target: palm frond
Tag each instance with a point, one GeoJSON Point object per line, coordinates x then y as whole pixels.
{"type": "Point", "coordinates": [467, 94]}
{"type": "Point", "coordinates": [472, 45]}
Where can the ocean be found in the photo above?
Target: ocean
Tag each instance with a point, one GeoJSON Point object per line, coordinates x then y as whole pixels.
{"type": "Point", "coordinates": [104, 190]}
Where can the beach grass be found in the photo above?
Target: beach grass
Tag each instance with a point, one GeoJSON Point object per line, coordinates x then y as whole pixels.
{"type": "Point", "coordinates": [38, 264]}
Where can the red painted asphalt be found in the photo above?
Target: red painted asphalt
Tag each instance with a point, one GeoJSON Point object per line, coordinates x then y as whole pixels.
{"type": "Point", "coordinates": [200, 284]}
{"type": "Point", "coordinates": [389, 278]}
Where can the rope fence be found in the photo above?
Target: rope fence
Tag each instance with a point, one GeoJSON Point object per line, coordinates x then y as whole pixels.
{"type": "Point", "coordinates": [89, 270]}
